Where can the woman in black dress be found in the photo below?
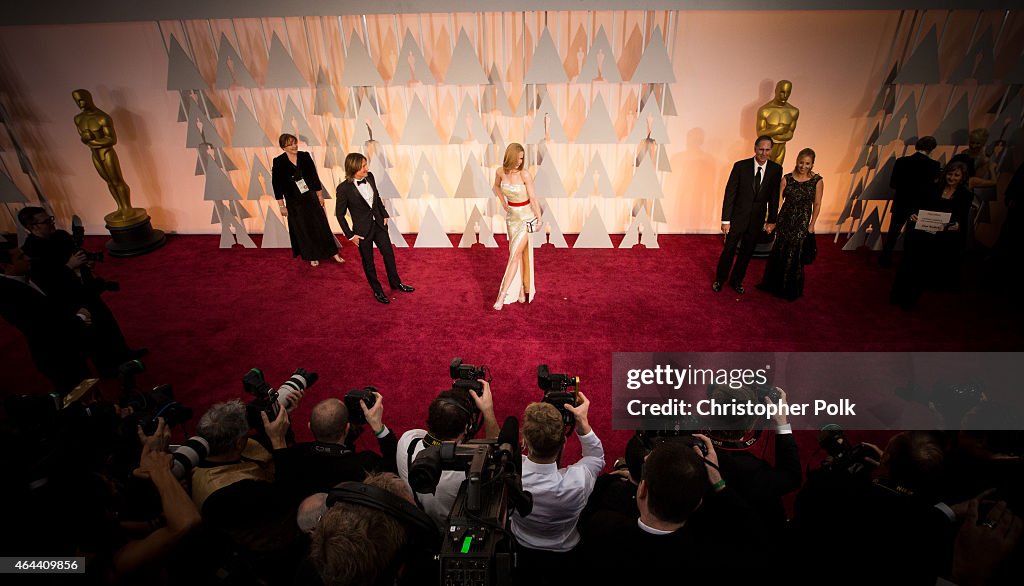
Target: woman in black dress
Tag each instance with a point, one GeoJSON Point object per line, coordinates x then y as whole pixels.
{"type": "Point", "coordinates": [932, 258]}
{"type": "Point", "coordinates": [300, 195]}
{"type": "Point", "coordinates": [801, 194]}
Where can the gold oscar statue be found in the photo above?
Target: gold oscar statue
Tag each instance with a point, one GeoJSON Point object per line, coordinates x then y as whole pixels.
{"type": "Point", "coordinates": [129, 226]}
{"type": "Point", "coordinates": [777, 119]}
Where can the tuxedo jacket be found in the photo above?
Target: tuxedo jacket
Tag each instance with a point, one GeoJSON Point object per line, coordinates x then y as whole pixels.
{"type": "Point", "coordinates": [912, 179]}
{"type": "Point", "coordinates": [746, 203]}
{"type": "Point", "coordinates": [363, 216]}
{"type": "Point", "coordinates": [49, 324]}
{"type": "Point", "coordinates": [283, 175]}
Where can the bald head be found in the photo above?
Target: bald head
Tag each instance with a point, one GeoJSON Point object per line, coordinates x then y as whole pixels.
{"type": "Point", "coordinates": [329, 421]}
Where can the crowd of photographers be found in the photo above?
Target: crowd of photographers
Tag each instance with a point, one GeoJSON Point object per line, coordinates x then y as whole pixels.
{"type": "Point", "coordinates": [469, 501]}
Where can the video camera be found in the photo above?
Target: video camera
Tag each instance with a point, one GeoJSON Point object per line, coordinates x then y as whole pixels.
{"type": "Point", "coordinates": [556, 391]}
{"type": "Point", "coordinates": [852, 459]}
{"type": "Point", "coordinates": [149, 406]}
{"type": "Point", "coordinates": [269, 400]}
{"type": "Point", "coordinates": [467, 376]}
{"type": "Point", "coordinates": [354, 400]}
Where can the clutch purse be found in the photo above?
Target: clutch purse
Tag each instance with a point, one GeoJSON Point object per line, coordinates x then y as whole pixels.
{"type": "Point", "coordinates": [533, 225]}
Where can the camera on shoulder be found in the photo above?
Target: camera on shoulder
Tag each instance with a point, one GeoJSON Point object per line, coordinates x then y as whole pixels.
{"type": "Point", "coordinates": [559, 389]}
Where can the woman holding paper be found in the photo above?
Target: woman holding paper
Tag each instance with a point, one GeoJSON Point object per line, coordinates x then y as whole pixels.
{"type": "Point", "coordinates": [513, 186]}
{"type": "Point", "coordinates": [934, 242]}
{"type": "Point", "coordinates": [300, 196]}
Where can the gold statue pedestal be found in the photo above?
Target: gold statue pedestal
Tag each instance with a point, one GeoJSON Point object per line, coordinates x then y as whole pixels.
{"type": "Point", "coordinates": [132, 233]}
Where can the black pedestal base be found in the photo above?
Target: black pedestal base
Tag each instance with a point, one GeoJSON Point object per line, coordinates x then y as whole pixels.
{"type": "Point", "coordinates": [134, 240]}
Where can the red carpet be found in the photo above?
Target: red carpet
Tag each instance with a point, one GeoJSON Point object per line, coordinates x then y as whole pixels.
{"type": "Point", "coordinates": [208, 315]}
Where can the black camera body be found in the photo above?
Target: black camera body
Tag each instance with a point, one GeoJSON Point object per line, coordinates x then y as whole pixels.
{"type": "Point", "coordinates": [149, 406]}
{"type": "Point", "coordinates": [467, 376]}
{"type": "Point", "coordinates": [845, 456]}
{"type": "Point", "coordinates": [767, 391]}
{"type": "Point", "coordinates": [354, 400]}
{"type": "Point", "coordinates": [556, 391]}
{"type": "Point", "coordinates": [269, 400]}
{"type": "Point", "coordinates": [97, 284]}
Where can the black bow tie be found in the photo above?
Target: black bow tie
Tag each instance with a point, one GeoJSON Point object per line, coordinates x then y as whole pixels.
{"type": "Point", "coordinates": [360, 181]}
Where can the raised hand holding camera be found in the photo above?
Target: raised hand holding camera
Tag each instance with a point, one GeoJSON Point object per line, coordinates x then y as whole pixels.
{"type": "Point", "coordinates": [374, 413]}
{"type": "Point", "coordinates": [580, 413]}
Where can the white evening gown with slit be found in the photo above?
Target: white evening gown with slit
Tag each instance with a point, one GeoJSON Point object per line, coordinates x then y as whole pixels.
{"type": "Point", "coordinates": [515, 222]}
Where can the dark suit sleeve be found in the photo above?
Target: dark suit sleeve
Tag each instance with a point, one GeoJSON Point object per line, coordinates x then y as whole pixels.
{"type": "Point", "coordinates": [309, 173]}
{"type": "Point", "coordinates": [389, 448]}
{"type": "Point", "coordinates": [897, 174]}
{"type": "Point", "coordinates": [773, 193]}
{"type": "Point", "coordinates": [341, 206]}
{"type": "Point", "coordinates": [731, 189]}
{"type": "Point", "coordinates": [377, 201]}
{"type": "Point", "coordinates": [279, 177]}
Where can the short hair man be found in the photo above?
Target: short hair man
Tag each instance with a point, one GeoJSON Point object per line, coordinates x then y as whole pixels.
{"type": "Point", "coordinates": [751, 194]}
{"type": "Point", "coordinates": [358, 195]}
{"type": "Point", "coordinates": [548, 535]}
{"type": "Point", "coordinates": [448, 418]}
{"type": "Point", "coordinates": [912, 177]}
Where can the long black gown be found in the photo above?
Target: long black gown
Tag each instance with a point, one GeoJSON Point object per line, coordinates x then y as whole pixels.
{"type": "Point", "coordinates": [310, 233]}
{"type": "Point", "coordinates": [784, 274]}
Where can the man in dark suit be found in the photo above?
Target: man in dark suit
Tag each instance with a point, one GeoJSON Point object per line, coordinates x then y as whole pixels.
{"type": "Point", "coordinates": [912, 177]}
{"type": "Point", "coordinates": [753, 186]}
{"type": "Point", "coordinates": [358, 195]}
{"type": "Point", "coordinates": [55, 331]}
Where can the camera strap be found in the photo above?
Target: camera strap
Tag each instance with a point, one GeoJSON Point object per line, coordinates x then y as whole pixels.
{"type": "Point", "coordinates": [332, 450]}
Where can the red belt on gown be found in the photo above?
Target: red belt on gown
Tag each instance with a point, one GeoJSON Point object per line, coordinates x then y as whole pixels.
{"type": "Point", "coordinates": [520, 204]}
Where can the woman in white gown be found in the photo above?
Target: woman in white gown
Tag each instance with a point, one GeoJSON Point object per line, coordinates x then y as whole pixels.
{"type": "Point", "coordinates": [513, 186]}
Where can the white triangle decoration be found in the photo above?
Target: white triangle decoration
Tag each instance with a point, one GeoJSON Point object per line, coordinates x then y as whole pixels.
{"type": "Point", "coordinates": [663, 164]}
{"type": "Point", "coordinates": [495, 97]}
{"type": "Point", "coordinates": [256, 189]}
{"type": "Point", "coordinates": [419, 128]}
{"type": "Point", "coordinates": [248, 133]}
{"type": "Point", "coordinates": [473, 183]}
{"type": "Point", "coordinates": [359, 68]}
{"type": "Point", "coordinates": [366, 122]}
{"type": "Point", "coordinates": [896, 129]}
{"type": "Point", "coordinates": [181, 71]}
{"type": "Point", "coordinates": [468, 125]}
{"type": "Point", "coordinates": [211, 108]}
{"type": "Point", "coordinates": [594, 234]}
{"type": "Point", "coordinates": [546, 64]}
{"type": "Point", "coordinates": [654, 66]}
{"type": "Point", "coordinates": [556, 130]}
{"type": "Point", "coordinates": [295, 123]}
{"type": "Point", "coordinates": [239, 210]}
{"type": "Point", "coordinates": [879, 188]}
{"type": "Point", "coordinates": [547, 182]}
{"type": "Point", "coordinates": [218, 186]}
{"type": "Point", "coordinates": [600, 59]}
{"type": "Point", "coordinates": [275, 235]}
{"type": "Point", "coordinates": [396, 236]}
{"type": "Point", "coordinates": [554, 233]}
{"type": "Point", "coordinates": [231, 70]}
{"type": "Point", "coordinates": [659, 213]}
{"type": "Point", "coordinates": [640, 223]}
{"type": "Point", "coordinates": [425, 181]}
{"type": "Point", "coordinates": [207, 134]}
{"type": "Point", "coordinates": [228, 220]}
{"type": "Point", "coordinates": [597, 128]}
{"type": "Point", "coordinates": [645, 184]}
{"type": "Point", "coordinates": [658, 131]}
{"type": "Point", "coordinates": [281, 69]}
{"type": "Point", "coordinates": [464, 68]}
{"type": "Point", "coordinates": [431, 234]}
{"type": "Point", "coordinates": [9, 192]}
{"type": "Point", "coordinates": [595, 180]}
{"type": "Point", "coordinates": [860, 237]}
{"type": "Point", "coordinates": [385, 186]}
{"type": "Point", "coordinates": [668, 104]}
{"type": "Point", "coordinates": [411, 66]}
{"type": "Point", "coordinates": [469, 235]}
{"type": "Point", "coordinates": [325, 101]}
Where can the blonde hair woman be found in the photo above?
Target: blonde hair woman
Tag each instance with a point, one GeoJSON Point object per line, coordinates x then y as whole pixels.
{"type": "Point", "coordinates": [513, 186]}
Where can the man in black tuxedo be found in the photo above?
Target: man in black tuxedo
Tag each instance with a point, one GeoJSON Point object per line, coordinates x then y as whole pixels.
{"type": "Point", "coordinates": [912, 177]}
{"type": "Point", "coordinates": [54, 330]}
{"type": "Point", "coordinates": [358, 195]}
{"type": "Point", "coordinates": [753, 186]}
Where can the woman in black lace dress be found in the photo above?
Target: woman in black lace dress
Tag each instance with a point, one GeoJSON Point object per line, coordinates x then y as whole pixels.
{"type": "Point", "coordinates": [801, 195]}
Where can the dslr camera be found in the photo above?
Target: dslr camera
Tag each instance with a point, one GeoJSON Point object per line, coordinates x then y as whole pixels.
{"type": "Point", "coordinates": [853, 459]}
{"type": "Point", "coordinates": [467, 376]}
{"type": "Point", "coordinates": [98, 284]}
{"type": "Point", "coordinates": [149, 406]}
{"type": "Point", "coordinates": [354, 400]}
{"type": "Point", "coordinates": [269, 400]}
{"type": "Point", "coordinates": [557, 391]}
{"type": "Point", "coordinates": [767, 391]}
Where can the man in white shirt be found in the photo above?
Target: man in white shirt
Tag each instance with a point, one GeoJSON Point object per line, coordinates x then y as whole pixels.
{"type": "Point", "coordinates": [548, 535]}
{"type": "Point", "coordinates": [448, 419]}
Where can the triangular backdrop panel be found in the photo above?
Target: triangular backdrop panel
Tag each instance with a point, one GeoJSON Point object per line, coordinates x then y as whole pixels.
{"type": "Point", "coordinates": [248, 133]}
{"type": "Point", "coordinates": [654, 66]}
{"type": "Point", "coordinates": [473, 183]}
{"type": "Point", "coordinates": [555, 128]}
{"type": "Point", "coordinates": [600, 62]}
{"type": "Point", "coordinates": [368, 121]}
{"type": "Point", "coordinates": [879, 188]}
{"type": "Point", "coordinates": [883, 96]}
{"type": "Point", "coordinates": [971, 67]}
{"type": "Point", "coordinates": [860, 237]}
{"type": "Point", "coordinates": [274, 233]}
{"type": "Point", "coordinates": [663, 164]}
{"type": "Point", "coordinates": [546, 64]}
{"type": "Point", "coordinates": [595, 180]}
{"type": "Point", "coordinates": [897, 128]}
{"type": "Point", "coordinates": [218, 186]}
{"type": "Point", "coordinates": [645, 184]}
{"type": "Point", "coordinates": [397, 238]}
{"type": "Point", "coordinates": [658, 130]}
{"type": "Point", "coordinates": [547, 182]}
{"type": "Point", "coordinates": [555, 236]}
{"type": "Point", "coordinates": [923, 65]}
{"type": "Point", "coordinates": [258, 170]}
{"type": "Point", "coordinates": [597, 128]}
{"type": "Point", "coordinates": [411, 66]}
{"type": "Point", "coordinates": [468, 125]}
{"type": "Point", "coordinates": [658, 215]}
{"type": "Point", "coordinates": [9, 192]}
{"type": "Point", "coordinates": [594, 234]}
{"type": "Point", "coordinates": [239, 210]}
{"type": "Point", "coordinates": [640, 224]}
{"type": "Point", "coordinates": [469, 235]}
{"type": "Point", "coordinates": [425, 181]}
{"type": "Point", "coordinates": [419, 128]}
{"type": "Point", "coordinates": [431, 234]}
{"type": "Point", "coordinates": [1010, 116]}
{"type": "Point", "coordinates": [295, 123]}
{"type": "Point", "coordinates": [181, 71]}
{"type": "Point", "coordinates": [231, 70]}
{"type": "Point", "coordinates": [326, 102]}
{"type": "Point", "coordinates": [385, 186]}
{"type": "Point", "coordinates": [359, 68]}
{"type": "Point", "coordinates": [464, 68]}
{"type": "Point", "coordinates": [954, 128]}
{"type": "Point", "coordinates": [207, 134]}
{"type": "Point", "coordinates": [211, 108]}
{"type": "Point", "coordinates": [281, 69]}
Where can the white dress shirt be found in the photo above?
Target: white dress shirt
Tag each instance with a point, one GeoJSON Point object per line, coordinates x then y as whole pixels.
{"type": "Point", "coordinates": [439, 504]}
{"type": "Point", "coordinates": [559, 495]}
{"type": "Point", "coordinates": [365, 190]}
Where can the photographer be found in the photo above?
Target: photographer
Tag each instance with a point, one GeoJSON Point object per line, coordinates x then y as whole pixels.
{"type": "Point", "coordinates": [449, 417]}
{"type": "Point", "coordinates": [328, 460]}
{"type": "Point", "coordinates": [548, 535]}
{"type": "Point", "coordinates": [62, 270]}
